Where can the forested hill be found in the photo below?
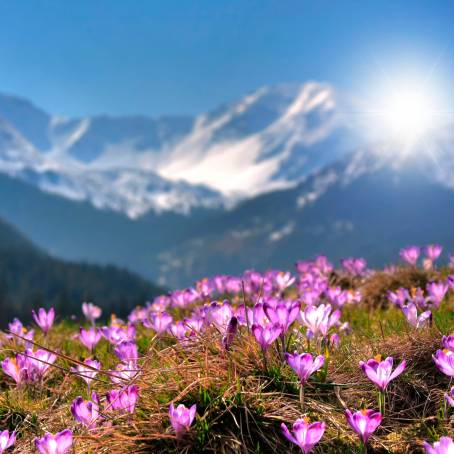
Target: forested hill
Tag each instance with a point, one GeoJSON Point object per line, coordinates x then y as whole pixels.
{"type": "Point", "coordinates": [30, 278]}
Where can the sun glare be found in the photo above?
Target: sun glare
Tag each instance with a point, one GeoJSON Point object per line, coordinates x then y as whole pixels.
{"type": "Point", "coordinates": [408, 115]}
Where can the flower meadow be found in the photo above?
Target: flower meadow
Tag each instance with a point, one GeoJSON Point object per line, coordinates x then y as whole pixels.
{"type": "Point", "coordinates": [321, 359]}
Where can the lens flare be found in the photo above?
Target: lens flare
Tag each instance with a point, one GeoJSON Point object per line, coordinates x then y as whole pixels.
{"type": "Point", "coordinates": [409, 115]}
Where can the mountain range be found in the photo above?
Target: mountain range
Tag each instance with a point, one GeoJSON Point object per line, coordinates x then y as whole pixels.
{"type": "Point", "coordinates": [281, 174]}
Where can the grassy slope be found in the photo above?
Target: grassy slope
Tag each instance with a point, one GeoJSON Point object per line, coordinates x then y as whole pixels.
{"type": "Point", "coordinates": [240, 405]}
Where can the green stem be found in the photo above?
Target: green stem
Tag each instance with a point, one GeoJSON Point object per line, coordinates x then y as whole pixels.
{"type": "Point", "coordinates": [265, 361]}
{"type": "Point", "coordinates": [283, 346]}
{"type": "Point", "coordinates": [381, 402]}
{"type": "Point", "coordinates": [302, 398]}
{"type": "Point", "coordinates": [362, 448]}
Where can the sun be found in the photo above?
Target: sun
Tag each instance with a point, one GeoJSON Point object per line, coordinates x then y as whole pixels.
{"type": "Point", "coordinates": [408, 115]}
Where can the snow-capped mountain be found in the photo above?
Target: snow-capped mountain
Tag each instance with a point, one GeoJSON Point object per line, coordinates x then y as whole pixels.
{"type": "Point", "coordinates": [270, 139]}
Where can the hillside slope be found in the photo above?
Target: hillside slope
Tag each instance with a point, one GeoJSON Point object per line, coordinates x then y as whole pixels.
{"type": "Point", "coordinates": [29, 278]}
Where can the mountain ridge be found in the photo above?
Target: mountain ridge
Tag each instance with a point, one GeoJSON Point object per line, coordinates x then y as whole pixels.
{"type": "Point", "coordinates": [266, 140]}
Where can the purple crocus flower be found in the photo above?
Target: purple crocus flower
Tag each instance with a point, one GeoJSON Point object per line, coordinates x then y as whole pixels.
{"type": "Point", "coordinates": [417, 297]}
{"type": "Point", "coordinates": [244, 315]}
{"type": "Point", "coordinates": [87, 373]}
{"type": "Point", "coordinates": [233, 284]}
{"type": "Point", "coordinates": [91, 312]}
{"type": "Point", "coordinates": [86, 411]}
{"type": "Point", "coordinates": [310, 297]}
{"type": "Point", "coordinates": [138, 314]}
{"type": "Point", "coordinates": [178, 329]}
{"type": "Point", "coordinates": [433, 251]}
{"type": "Point", "coordinates": [124, 373]}
{"type": "Point", "coordinates": [399, 297]}
{"type": "Point", "coordinates": [411, 314]}
{"type": "Point", "coordinates": [443, 446]}
{"type": "Point", "coordinates": [334, 340]}
{"type": "Point", "coordinates": [336, 296]}
{"type": "Point", "coordinates": [319, 319]}
{"type": "Point", "coordinates": [354, 266]}
{"type": "Point", "coordinates": [410, 254]}
{"type": "Point", "coordinates": [123, 399]}
{"type": "Point", "coordinates": [444, 360]}
{"type": "Point", "coordinates": [90, 337]}
{"type": "Point", "coordinates": [219, 314]}
{"type": "Point", "coordinates": [14, 369]}
{"type": "Point", "coordinates": [195, 323]}
{"type": "Point", "coordinates": [59, 443]}
{"type": "Point", "coordinates": [181, 418]}
{"type": "Point", "coordinates": [364, 422]}
{"type": "Point", "coordinates": [436, 292]}
{"type": "Point", "coordinates": [304, 364]}
{"type": "Point", "coordinates": [283, 280]}
{"type": "Point", "coordinates": [115, 334]}
{"type": "Point", "coordinates": [158, 321]}
{"type": "Point", "coordinates": [6, 440]}
{"type": "Point", "coordinates": [204, 287]}
{"type": "Point", "coordinates": [230, 333]}
{"type": "Point", "coordinates": [182, 298]}
{"type": "Point", "coordinates": [305, 435]}
{"type": "Point", "coordinates": [323, 265]}
{"type": "Point", "coordinates": [44, 319]}
{"type": "Point", "coordinates": [266, 335]}
{"type": "Point", "coordinates": [258, 315]}
{"type": "Point", "coordinates": [18, 329]}
{"type": "Point", "coordinates": [381, 372]}
{"type": "Point", "coordinates": [282, 314]}
{"type": "Point", "coordinates": [127, 351]}
{"type": "Point", "coordinates": [450, 281]}
{"type": "Point", "coordinates": [449, 397]}
{"type": "Point", "coordinates": [448, 342]}
{"type": "Point", "coordinates": [36, 363]}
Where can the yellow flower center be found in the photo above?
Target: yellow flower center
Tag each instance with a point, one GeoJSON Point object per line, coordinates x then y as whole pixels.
{"type": "Point", "coordinates": [377, 358]}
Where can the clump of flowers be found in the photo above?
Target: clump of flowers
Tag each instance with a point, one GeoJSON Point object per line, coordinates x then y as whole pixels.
{"type": "Point", "coordinates": [28, 367]}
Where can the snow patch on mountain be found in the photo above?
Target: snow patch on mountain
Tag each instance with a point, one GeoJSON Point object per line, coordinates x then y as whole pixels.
{"type": "Point", "coordinates": [247, 165]}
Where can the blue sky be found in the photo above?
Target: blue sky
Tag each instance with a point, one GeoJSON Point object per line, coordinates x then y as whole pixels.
{"type": "Point", "coordinates": [178, 56]}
